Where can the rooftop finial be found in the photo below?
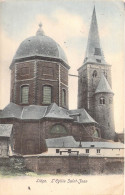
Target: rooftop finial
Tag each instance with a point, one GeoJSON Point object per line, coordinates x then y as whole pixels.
{"type": "Point", "coordinates": [40, 32]}
{"type": "Point", "coordinates": [40, 24]}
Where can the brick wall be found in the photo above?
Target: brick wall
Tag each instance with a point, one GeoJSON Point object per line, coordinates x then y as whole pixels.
{"type": "Point", "coordinates": [29, 135]}
{"type": "Point", "coordinates": [36, 74]}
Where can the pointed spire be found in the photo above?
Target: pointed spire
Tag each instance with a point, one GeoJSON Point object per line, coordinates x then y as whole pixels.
{"type": "Point", "coordinates": [94, 52]}
{"type": "Point", "coordinates": [40, 32]}
{"type": "Point", "coordinates": [103, 86]}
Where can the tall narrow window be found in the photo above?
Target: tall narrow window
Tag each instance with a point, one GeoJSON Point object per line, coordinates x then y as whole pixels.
{"type": "Point", "coordinates": [25, 94]}
{"type": "Point", "coordinates": [94, 73]}
{"type": "Point", "coordinates": [102, 100]}
{"type": "Point", "coordinates": [47, 94]}
{"type": "Point", "coordinates": [63, 97]}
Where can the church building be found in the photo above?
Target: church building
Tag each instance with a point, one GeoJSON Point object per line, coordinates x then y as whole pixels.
{"type": "Point", "coordinates": [38, 107]}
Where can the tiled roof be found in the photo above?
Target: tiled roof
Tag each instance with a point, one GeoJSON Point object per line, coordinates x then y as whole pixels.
{"type": "Point", "coordinates": [38, 112]}
{"type": "Point", "coordinates": [103, 86]}
{"type": "Point", "coordinates": [61, 142]}
{"type": "Point", "coordinates": [83, 116]}
{"type": "Point", "coordinates": [102, 144]}
{"type": "Point", "coordinates": [11, 111]}
{"type": "Point", "coordinates": [5, 130]}
{"type": "Point", "coordinates": [33, 112]}
{"type": "Point", "coordinates": [54, 111]}
{"type": "Point", "coordinates": [69, 142]}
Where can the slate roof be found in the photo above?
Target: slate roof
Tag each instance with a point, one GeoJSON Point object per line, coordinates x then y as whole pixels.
{"type": "Point", "coordinates": [94, 51]}
{"type": "Point", "coordinates": [5, 130]}
{"type": "Point", "coordinates": [83, 116]}
{"type": "Point", "coordinates": [11, 111]}
{"type": "Point", "coordinates": [33, 112]}
{"type": "Point", "coordinates": [40, 45]}
{"type": "Point", "coordinates": [102, 144]}
{"type": "Point", "coordinates": [53, 111]}
{"type": "Point", "coordinates": [69, 142]}
{"type": "Point", "coordinates": [103, 86]}
{"type": "Point", "coordinates": [61, 142]}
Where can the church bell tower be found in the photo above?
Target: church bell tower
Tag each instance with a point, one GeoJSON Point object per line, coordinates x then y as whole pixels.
{"type": "Point", "coordinates": [94, 84]}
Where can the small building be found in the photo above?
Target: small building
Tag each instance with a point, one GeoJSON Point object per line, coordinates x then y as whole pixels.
{"type": "Point", "coordinates": [67, 146]}
{"type": "Point", "coordinates": [5, 139]}
{"type": "Point", "coordinates": [65, 156]}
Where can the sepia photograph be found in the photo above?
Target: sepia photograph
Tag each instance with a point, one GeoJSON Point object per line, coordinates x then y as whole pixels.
{"type": "Point", "coordinates": [62, 97]}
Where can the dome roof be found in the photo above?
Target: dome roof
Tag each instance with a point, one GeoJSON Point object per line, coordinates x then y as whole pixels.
{"type": "Point", "coordinates": [40, 45]}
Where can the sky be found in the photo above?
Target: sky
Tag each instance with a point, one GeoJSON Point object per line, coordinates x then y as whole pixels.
{"type": "Point", "coordinates": [67, 22]}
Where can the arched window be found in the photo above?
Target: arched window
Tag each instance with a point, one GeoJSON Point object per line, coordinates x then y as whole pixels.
{"type": "Point", "coordinates": [47, 94]}
{"type": "Point", "coordinates": [94, 73]}
{"type": "Point", "coordinates": [102, 100]}
{"type": "Point", "coordinates": [58, 129]}
{"type": "Point", "coordinates": [96, 134]}
{"type": "Point", "coordinates": [24, 94]}
{"type": "Point", "coordinates": [63, 97]}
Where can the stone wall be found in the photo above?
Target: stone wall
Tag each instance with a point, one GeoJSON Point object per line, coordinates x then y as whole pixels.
{"type": "Point", "coordinates": [88, 83]}
{"type": "Point", "coordinates": [87, 98]}
{"type": "Point", "coordinates": [74, 164]}
{"type": "Point", "coordinates": [104, 115]}
{"type": "Point", "coordinates": [64, 164]}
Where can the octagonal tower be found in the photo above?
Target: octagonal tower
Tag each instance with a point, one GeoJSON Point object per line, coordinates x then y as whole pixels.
{"type": "Point", "coordinates": [39, 72]}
